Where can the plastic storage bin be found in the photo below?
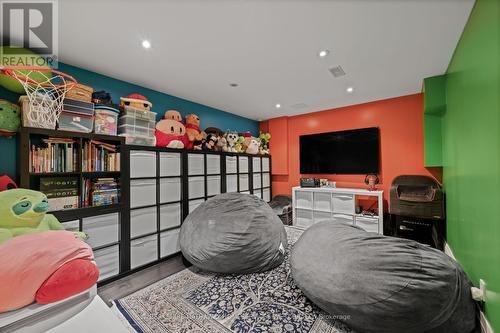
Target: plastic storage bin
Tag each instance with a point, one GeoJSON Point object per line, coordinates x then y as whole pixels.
{"type": "Point", "coordinates": [139, 140]}
{"type": "Point", "coordinates": [134, 121]}
{"type": "Point", "coordinates": [139, 113]}
{"type": "Point", "coordinates": [77, 116]}
{"type": "Point", "coordinates": [137, 130]}
{"type": "Point", "coordinates": [106, 120]}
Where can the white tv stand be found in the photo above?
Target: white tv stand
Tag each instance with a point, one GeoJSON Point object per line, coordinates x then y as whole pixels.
{"type": "Point", "coordinates": [314, 204]}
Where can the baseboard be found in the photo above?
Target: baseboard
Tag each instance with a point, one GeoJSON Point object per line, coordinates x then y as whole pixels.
{"type": "Point", "coordinates": [485, 324]}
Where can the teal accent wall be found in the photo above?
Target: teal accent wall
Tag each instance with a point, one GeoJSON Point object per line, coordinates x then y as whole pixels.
{"type": "Point", "coordinates": [471, 152]}
{"type": "Point", "coordinates": [210, 117]}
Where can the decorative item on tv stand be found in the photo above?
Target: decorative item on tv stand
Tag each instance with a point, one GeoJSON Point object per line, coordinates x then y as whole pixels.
{"type": "Point", "coordinates": [372, 181]}
{"type": "Point", "coordinates": [46, 89]}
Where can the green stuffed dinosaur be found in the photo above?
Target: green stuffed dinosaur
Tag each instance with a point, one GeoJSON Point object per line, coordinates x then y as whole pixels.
{"type": "Point", "coordinates": [24, 211]}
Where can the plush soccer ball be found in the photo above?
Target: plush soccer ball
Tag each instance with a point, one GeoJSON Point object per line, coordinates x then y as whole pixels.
{"type": "Point", "coordinates": [22, 57]}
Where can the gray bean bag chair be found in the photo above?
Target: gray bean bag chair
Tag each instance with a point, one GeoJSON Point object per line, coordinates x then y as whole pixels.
{"type": "Point", "coordinates": [383, 284]}
{"type": "Point", "coordinates": [233, 233]}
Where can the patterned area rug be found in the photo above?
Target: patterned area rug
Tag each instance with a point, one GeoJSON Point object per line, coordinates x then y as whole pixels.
{"type": "Point", "coordinates": [196, 301]}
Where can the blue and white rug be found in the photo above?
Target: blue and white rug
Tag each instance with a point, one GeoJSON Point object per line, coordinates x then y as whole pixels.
{"type": "Point", "coordinates": [196, 301]}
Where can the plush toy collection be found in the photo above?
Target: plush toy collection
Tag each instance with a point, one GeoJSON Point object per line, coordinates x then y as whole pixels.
{"type": "Point", "coordinates": [173, 132]}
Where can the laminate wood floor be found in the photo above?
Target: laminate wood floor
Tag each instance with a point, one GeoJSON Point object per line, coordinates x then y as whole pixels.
{"type": "Point", "coordinates": [136, 281]}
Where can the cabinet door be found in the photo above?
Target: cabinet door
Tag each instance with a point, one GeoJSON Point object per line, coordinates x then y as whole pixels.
{"type": "Point", "coordinates": [257, 181]}
{"type": "Point", "coordinates": [196, 164]}
{"type": "Point", "coordinates": [169, 242]}
{"type": "Point", "coordinates": [142, 192]}
{"type": "Point", "coordinates": [170, 190]}
{"type": "Point", "coordinates": [322, 201]}
{"type": "Point", "coordinates": [256, 164]}
{"type": "Point", "coordinates": [304, 199]}
{"type": "Point", "coordinates": [266, 180]}
{"type": "Point", "coordinates": [231, 183]}
{"type": "Point", "coordinates": [213, 164]}
{"type": "Point", "coordinates": [213, 185]}
{"type": "Point", "coordinates": [265, 164]}
{"type": "Point", "coordinates": [102, 229]}
{"type": "Point", "coordinates": [231, 164]}
{"type": "Point", "coordinates": [196, 187]}
{"type": "Point", "coordinates": [170, 215]}
{"type": "Point", "coordinates": [243, 182]}
{"type": "Point", "coordinates": [243, 161]}
{"type": "Point", "coordinates": [143, 250]}
{"type": "Point", "coordinates": [142, 163]}
{"type": "Point", "coordinates": [142, 221]}
{"type": "Point", "coordinates": [170, 164]}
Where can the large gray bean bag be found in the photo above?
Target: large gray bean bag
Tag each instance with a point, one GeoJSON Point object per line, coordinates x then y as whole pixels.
{"type": "Point", "coordinates": [233, 233]}
{"type": "Point", "coordinates": [383, 284]}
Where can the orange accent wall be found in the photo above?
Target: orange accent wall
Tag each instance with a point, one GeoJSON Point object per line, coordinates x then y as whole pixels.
{"type": "Point", "coordinates": [401, 138]}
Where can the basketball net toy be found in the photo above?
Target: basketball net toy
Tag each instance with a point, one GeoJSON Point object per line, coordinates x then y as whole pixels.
{"type": "Point", "coordinates": [46, 89]}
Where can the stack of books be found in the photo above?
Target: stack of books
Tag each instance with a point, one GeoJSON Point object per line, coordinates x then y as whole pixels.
{"type": "Point", "coordinates": [100, 156]}
{"type": "Point", "coordinates": [57, 155]}
{"type": "Point", "coordinates": [100, 192]}
{"type": "Point", "coordinates": [62, 193]}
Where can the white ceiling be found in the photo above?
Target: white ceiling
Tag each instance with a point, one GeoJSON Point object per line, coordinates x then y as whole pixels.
{"type": "Point", "coordinates": [268, 47]}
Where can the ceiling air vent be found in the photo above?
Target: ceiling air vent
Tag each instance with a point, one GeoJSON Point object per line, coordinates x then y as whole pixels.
{"type": "Point", "coordinates": [337, 71]}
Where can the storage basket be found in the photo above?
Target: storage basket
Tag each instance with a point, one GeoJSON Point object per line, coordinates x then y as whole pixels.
{"type": "Point", "coordinates": [80, 92]}
{"type": "Point", "coordinates": [26, 110]}
{"type": "Point", "coordinates": [286, 217]}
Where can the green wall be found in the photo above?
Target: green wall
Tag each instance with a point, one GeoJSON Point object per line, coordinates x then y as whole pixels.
{"type": "Point", "coordinates": [471, 151]}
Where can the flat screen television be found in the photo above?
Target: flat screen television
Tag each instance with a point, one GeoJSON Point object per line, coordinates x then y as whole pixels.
{"type": "Point", "coordinates": [345, 152]}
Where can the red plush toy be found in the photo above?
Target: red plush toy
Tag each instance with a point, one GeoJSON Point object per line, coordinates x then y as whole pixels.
{"type": "Point", "coordinates": [6, 183]}
{"type": "Point", "coordinates": [171, 133]}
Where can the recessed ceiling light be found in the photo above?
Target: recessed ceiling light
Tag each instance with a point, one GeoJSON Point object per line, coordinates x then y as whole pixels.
{"type": "Point", "coordinates": [278, 106]}
{"type": "Point", "coordinates": [234, 85]}
{"type": "Point", "coordinates": [146, 44]}
{"type": "Point", "coordinates": [350, 89]}
{"type": "Point", "coordinates": [323, 53]}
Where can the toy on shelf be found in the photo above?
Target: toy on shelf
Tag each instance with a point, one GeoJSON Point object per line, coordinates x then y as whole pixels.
{"type": "Point", "coordinates": [171, 133]}
{"type": "Point", "coordinates": [194, 134]}
{"type": "Point", "coordinates": [264, 143]}
{"type": "Point", "coordinates": [239, 145]}
{"type": "Point", "coordinates": [6, 183]}
{"type": "Point", "coordinates": [173, 114]}
{"type": "Point", "coordinates": [231, 139]}
{"type": "Point", "coordinates": [101, 97]}
{"type": "Point", "coordinates": [218, 136]}
{"type": "Point", "coordinates": [253, 146]}
{"type": "Point", "coordinates": [10, 118]}
{"type": "Point", "coordinates": [210, 142]}
{"type": "Point", "coordinates": [137, 101]}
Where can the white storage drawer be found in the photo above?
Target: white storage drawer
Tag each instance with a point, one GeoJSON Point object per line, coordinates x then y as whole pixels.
{"type": "Point", "coordinates": [169, 242]}
{"type": "Point", "coordinates": [231, 183]}
{"type": "Point", "coordinates": [322, 201]}
{"type": "Point", "coordinates": [231, 164]}
{"type": "Point", "coordinates": [213, 185]}
{"type": "Point", "coordinates": [108, 261]}
{"type": "Point", "coordinates": [143, 250]}
{"type": "Point", "coordinates": [170, 164]}
{"type": "Point", "coordinates": [196, 164]}
{"type": "Point", "coordinates": [256, 164]}
{"type": "Point", "coordinates": [258, 193]}
{"type": "Point", "coordinates": [142, 192]}
{"type": "Point", "coordinates": [170, 216]}
{"type": "Point", "coordinates": [196, 187]}
{"type": "Point", "coordinates": [142, 221]}
{"type": "Point", "coordinates": [369, 224]}
{"type": "Point", "coordinates": [266, 195]}
{"type": "Point", "coordinates": [170, 189]}
{"type": "Point", "coordinates": [303, 218]}
{"type": "Point", "coordinates": [257, 180]}
{"type": "Point", "coordinates": [265, 164]}
{"type": "Point", "coordinates": [266, 180]}
{"type": "Point", "coordinates": [243, 164]}
{"type": "Point", "coordinates": [343, 218]}
{"type": "Point", "coordinates": [142, 163]}
{"type": "Point", "coordinates": [213, 164]}
{"type": "Point", "coordinates": [321, 216]}
{"type": "Point", "coordinates": [101, 229]}
{"type": "Point", "coordinates": [72, 226]}
{"type": "Point", "coordinates": [343, 203]}
{"type": "Point", "coordinates": [195, 203]}
{"type": "Point", "coordinates": [303, 199]}
{"type": "Point", "coordinates": [243, 182]}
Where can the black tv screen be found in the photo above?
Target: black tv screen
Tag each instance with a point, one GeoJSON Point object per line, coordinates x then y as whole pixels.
{"type": "Point", "coordinates": [345, 152]}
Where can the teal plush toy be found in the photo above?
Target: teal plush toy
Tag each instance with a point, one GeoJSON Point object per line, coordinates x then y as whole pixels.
{"type": "Point", "coordinates": [24, 211]}
{"type": "Point", "coordinates": [10, 116]}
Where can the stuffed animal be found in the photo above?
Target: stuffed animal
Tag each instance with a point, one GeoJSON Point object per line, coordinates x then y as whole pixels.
{"type": "Point", "coordinates": [264, 143]}
{"type": "Point", "coordinates": [6, 183]}
{"type": "Point", "coordinates": [171, 133]}
{"type": "Point", "coordinates": [136, 101]}
{"type": "Point", "coordinates": [194, 134]}
{"type": "Point", "coordinates": [253, 146]}
{"type": "Point", "coordinates": [238, 147]}
{"type": "Point", "coordinates": [173, 114]}
{"type": "Point", "coordinates": [221, 144]}
{"type": "Point", "coordinates": [231, 138]}
{"type": "Point", "coordinates": [210, 142]}
{"type": "Point", "coordinates": [24, 211]}
{"type": "Point", "coordinates": [10, 117]}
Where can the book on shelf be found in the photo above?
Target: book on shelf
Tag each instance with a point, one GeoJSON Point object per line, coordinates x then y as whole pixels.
{"type": "Point", "coordinates": [56, 155]}
{"type": "Point", "coordinates": [100, 192]}
{"type": "Point", "coordinates": [100, 156]}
